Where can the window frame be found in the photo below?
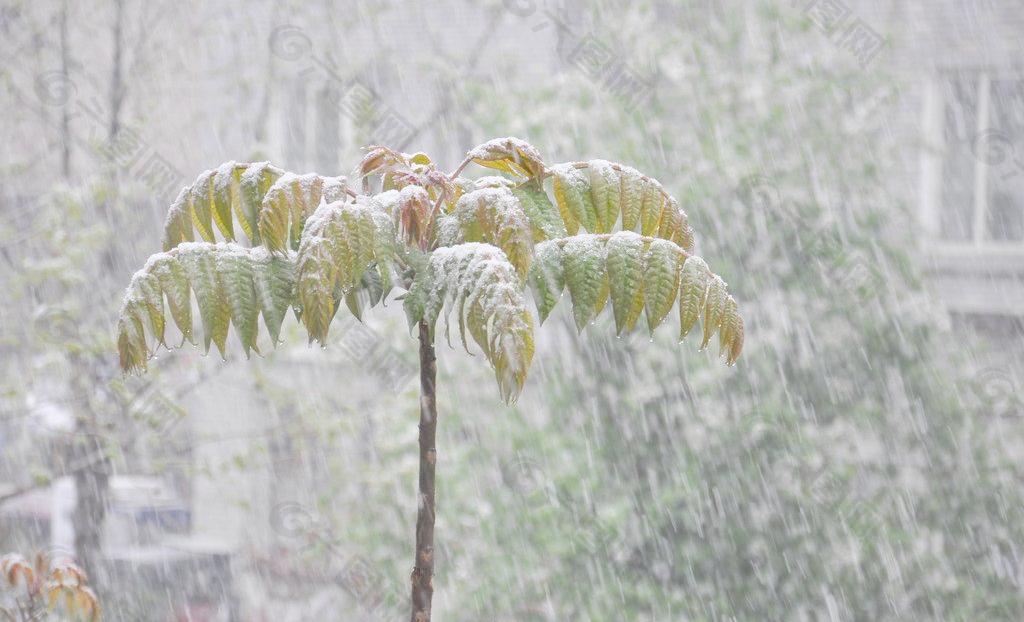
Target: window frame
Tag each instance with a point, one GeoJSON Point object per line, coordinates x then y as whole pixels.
{"type": "Point", "coordinates": [934, 153]}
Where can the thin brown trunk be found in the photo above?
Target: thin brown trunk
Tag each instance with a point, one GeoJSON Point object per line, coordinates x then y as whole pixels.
{"type": "Point", "coordinates": [423, 571]}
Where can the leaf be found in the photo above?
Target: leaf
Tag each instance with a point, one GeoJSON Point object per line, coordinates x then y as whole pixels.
{"type": "Point", "coordinates": [730, 317]}
{"type": "Point", "coordinates": [572, 194]}
{"type": "Point", "coordinates": [274, 283]}
{"type": "Point", "coordinates": [259, 196]}
{"type": "Point", "coordinates": [178, 226]}
{"type": "Point", "coordinates": [495, 216]}
{"type": "Point", "coordinates": [585, 276]}
{"type": "Point", "coordinates": [714, 306]}
{"type": "Point", "coordinates": [625, 263]}
{"type": "Point", "coordinates": [288, 203]}
{"type": "Point", "coordinates": [233, 285]}
{"type": "Point", "coordinates": [631, 189]}
{"type": "Point", "coordinates": [200, 203]}
{"type": "Point", "coordinates": [365, 295]}
{"type": "Point", "coordinates": [150, 298]}
{"type": "Point", "coordinates": [544, 218]}
{"type": "Point", "coordinates": [200, 266]}
{"type": "Point", "coordinates": [693, 285]}
{"type": "Point", "coordinates": [224, 193]}
{"type": "Point", "coordinates": [736, 346]}
{"type": "Point", "coordinates": [131, 340]}
{"type": "Point", "coordinates": [675, 226]}
{"type": "Point", "coordinates": [236, 279]}
{"type": "Point", "coordinates": [175, 286]}
{"type": "Point", "coordinates": [510, 155]}
{"type": "Point", "coordinates": [412, 215]}
{"type": "Point", "coordinates": [605, 193]}
{"type": "Point", "coordinates": [253, 185]}
{"type": "Point", "coordinates": [661, 280]}
{"type": "Point", "coordinates": [379, 161]}
{"type": "Point", "coordinates": [317, 276]}
{"type": "Point", "coordinates": [547, 277]}
{"type": "Point", "coordinates": [415, 300]}
{"type": "Point", "coordinates": [477, 280]}
{"type": "Point", "coordinates": [650, 208]}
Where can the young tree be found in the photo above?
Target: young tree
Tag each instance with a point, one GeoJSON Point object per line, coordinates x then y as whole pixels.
{"type": "Point", "coordinates": [273, 240]}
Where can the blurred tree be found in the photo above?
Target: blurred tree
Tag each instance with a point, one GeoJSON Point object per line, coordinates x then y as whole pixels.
{"type": "Point", "coordinates": [849, 467]}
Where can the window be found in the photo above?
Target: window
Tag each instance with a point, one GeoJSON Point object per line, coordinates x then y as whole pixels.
{"type": "Point", "coordinates": [980, 196]}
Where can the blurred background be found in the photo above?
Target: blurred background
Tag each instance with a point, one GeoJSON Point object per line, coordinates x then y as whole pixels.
{"type": "Point", "coordinates": [853, 168]}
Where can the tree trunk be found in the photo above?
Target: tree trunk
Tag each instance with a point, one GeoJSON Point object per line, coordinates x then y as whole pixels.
{"type": "Point", "coordinates": [116, 74]}
{"type": "Point", "coordinates": [423, 571]}
{"type": "Point", "coordinates": [65, 114]}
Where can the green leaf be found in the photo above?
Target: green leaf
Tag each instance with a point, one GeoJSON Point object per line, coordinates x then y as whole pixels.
{"type": "Point", "coordinates": [543, 215]}
{"type": "Point", "coordinates": [225, 192]}
{"type": "Point", "coordinates": [604, 191]}
{"type": "Point", "coordinates": [478, 280]}
{"type": "Point", "coordinates": [585, 276]}
{"type": "Point", "coordinates": [178, 226]}
{"type": "Point", "coordinates": [274, 282]}
{"type": "Point", "coordinates": [547, 277]}
{"type": "Point", "coordinates": [650, 208]}
{"type": "Point", "coordinates": [631, 189]}
{"type": "Point", "coordinates": [661, 280]}
{"type": "Point", "coordinates": [131, 341]}
{"type": "Point", "coordinates": [675, 225]}
{"type": "Point", "coordinates": [288, 203]}
{"type": "Point", "coordinates": [236, 277]}
{"type": "Point", "coordinates": [200, 265]}
{"type": "Point", "coordinates": [495, 216]}
{"type": "Point", "coordinates": [316, 281]}
{"type": "Point", "coordinates": [145, 293]}
{"type": "Point", "coordinates": [364, 296]}
{"type": "Point", "coordinates": [253, 185]}
{"type": "Point", "coordinates": [201, 205]}
{"type": "Point", "coordinates": [693, 285]}
{"type": "Point", "coordinates": [175, 286]}
{"type": "Point", "coordinates": [729, 325]}
{"type": "Point", "coordinates": [714, 307]}
{"type": "Point", "coordinates": [625, 275]}
{"type": "Point", "coordinates": [575, 203]}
